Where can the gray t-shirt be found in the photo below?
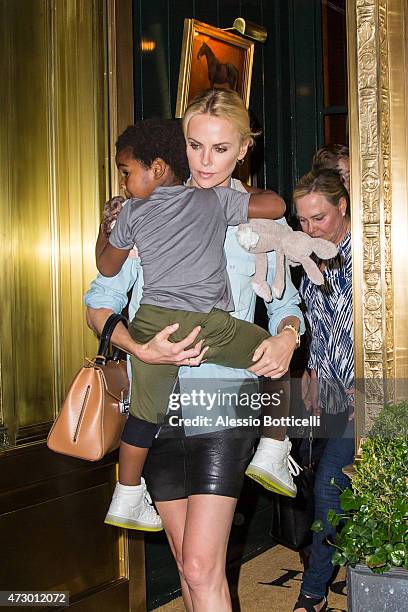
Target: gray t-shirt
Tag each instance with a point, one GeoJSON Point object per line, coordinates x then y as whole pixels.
{"type": "Point", "coordinates": [179, 233]}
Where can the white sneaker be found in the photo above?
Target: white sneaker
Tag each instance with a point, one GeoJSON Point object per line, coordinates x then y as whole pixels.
{"type": "Point", "coordinates": [131, 507]}
{"type": "Point", "coordinates": [272, 466]}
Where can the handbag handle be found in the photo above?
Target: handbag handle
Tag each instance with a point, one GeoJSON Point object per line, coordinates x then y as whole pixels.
{"type": "Point", "coordinates": [105, 339]}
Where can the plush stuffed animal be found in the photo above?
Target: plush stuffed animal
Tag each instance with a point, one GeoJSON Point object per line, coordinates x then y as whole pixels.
{"type": "Point", "coordinates": [262, 235]}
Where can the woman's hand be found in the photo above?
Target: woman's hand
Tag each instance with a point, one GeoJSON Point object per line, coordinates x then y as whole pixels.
{"type": "Point", "coordinates": [310, 391]}
{"type": "Point", "coordinates": [159, 350]}
{"type": "Point", "coordinates": [273, 355]}
{"type": "Point", "coordinates": [111, 210]}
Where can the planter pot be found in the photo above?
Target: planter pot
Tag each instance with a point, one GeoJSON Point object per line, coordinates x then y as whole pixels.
{"type": "Point", "coordinates": [369, 592]}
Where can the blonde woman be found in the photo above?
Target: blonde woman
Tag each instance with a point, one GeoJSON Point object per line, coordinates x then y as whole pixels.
{"type": "Point", "coordinates": [196, 478]}
{"type": "Point", "coordinates": [323, 209]}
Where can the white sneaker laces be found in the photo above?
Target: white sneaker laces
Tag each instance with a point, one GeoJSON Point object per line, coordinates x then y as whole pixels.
{"type": "Point", "coordinates": [148, 498]}
{"type": "Point", "coordinates": [149, 511]}
{"type": "Point", "coordinates": [294, 468]}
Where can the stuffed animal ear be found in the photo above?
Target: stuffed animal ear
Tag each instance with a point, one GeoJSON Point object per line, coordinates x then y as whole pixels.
{"type": "Point", "coordinates": [278, 284]}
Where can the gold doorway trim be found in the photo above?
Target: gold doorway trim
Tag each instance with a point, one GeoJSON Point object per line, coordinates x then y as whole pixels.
{"type": "Point", "coordinates": [378, 148]}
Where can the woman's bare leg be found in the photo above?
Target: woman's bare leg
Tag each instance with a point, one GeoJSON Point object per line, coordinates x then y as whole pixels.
{"type": "Point", "coordinates": [198, 531]}
{"type": "Point", "coordinates": [173, 515]}
{"type": "Point", "coordinates": [206, 534]}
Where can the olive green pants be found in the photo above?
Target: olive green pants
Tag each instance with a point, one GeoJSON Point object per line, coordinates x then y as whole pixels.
{"type": "Point", "coordinates": [231, 343]}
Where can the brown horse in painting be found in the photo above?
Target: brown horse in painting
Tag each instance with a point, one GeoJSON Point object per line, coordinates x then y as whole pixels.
{"type": "Point", "coordinates": [218, 73]}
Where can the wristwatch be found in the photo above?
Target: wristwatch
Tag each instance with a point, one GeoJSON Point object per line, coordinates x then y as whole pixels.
{"type": "Point", "coordinates": [295, 331]}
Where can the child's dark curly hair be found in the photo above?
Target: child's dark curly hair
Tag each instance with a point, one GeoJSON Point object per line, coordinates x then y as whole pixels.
{"type": "Point", "coordinates": [157, 138]}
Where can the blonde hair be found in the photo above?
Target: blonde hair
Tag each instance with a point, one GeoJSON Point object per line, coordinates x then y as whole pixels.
{"type": "Point", "coordinates": [327, 183]}
{"type": "Point", "coordinates": [224, 104]}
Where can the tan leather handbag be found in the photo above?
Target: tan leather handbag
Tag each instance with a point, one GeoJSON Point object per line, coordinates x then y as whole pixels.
{"type": "Point", "coordinates": [94, 411]}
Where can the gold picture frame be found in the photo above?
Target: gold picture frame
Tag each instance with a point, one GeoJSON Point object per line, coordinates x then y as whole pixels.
{"type": "Point", "coordinates": [211, 57]}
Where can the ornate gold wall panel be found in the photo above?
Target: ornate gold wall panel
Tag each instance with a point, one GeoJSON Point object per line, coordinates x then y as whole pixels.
{"type": "Point", "coordinates": [377, 106]}
{"type": "Point", "coordinates": [52, 144]}
{"type": "Point", "coordinates": [55, 142]}
{"type": "Point", "coordinates": [397, 16]}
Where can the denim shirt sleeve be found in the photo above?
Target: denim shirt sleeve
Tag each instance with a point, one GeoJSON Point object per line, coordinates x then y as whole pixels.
{"type": "Point", "coordinates": [112, 292]}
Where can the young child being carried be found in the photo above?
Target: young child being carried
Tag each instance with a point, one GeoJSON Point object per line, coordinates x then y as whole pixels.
{"type": "Point", "coordinates": [179, 232]}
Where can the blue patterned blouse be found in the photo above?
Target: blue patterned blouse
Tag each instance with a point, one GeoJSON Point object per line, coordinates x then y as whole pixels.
{"type": "Point", "coordinates": [330, 324]}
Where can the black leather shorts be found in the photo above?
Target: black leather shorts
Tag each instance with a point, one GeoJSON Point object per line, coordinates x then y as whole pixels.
{"type": "Point", "coordinates": [177, 467]}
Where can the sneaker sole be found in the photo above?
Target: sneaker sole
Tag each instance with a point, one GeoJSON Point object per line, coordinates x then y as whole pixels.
{"type": "Point", "coordinates": [117, 522]}
{"type": "Point", "coordinates": [264, 479]}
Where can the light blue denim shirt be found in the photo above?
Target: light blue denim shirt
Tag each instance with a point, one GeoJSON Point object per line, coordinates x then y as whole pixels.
{"type": "Point", "coordinates": [112, 293]}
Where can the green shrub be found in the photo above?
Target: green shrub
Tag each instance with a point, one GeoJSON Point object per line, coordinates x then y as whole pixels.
{"type": "Point", "coordinates": [376, 509]}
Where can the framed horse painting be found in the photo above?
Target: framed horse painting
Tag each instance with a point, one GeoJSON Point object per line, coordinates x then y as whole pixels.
{"type": "Point", "coordinates": [211, 57]}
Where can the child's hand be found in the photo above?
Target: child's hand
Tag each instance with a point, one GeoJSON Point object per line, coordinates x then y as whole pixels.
{"type": "Point", "coordinates": [111, 210]}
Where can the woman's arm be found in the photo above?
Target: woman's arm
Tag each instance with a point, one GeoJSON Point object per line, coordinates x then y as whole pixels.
{"type": "Point", "coordinates": [273, 356]}
{"type": "Point", "coordinates": [108, 295]}
{"type": "Point", "coordinates": [159, 350]}
{"type": "Point", "coordinates": [112, 293]}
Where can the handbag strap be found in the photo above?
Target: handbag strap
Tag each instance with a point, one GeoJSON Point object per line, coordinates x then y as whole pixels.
{"type": "Point", "coordinates": [310, 447]}
{"type": "Point", "coordinates": [105, 339]}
